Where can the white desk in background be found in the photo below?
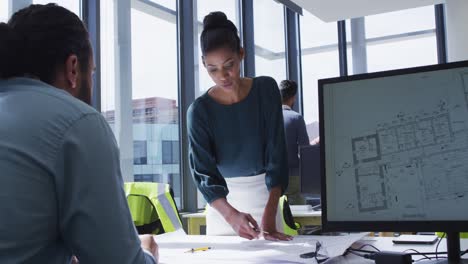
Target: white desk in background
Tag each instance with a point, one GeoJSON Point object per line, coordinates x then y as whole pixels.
{"type": "Point", "coordinates": [196, 221]}
{"type": "Point", "coordinates": [233, 249]}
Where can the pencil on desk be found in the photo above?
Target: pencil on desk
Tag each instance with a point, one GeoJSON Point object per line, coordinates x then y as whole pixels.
{"type": "Point", "coordinates": [197, 249]}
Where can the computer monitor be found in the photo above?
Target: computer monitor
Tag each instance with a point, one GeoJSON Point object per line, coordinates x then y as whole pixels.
{"type": "Point", "coordinates": [394, 151]}
{"type": "Point", "coordinates": [309, 174]}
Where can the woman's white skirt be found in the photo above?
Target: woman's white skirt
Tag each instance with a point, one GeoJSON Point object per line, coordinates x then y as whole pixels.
{"type": "Point", "coordinates": [246, 194]}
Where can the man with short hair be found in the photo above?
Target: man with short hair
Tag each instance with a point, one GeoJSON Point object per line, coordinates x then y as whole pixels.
{"type": "Point", "coordinates": [61, 189]}
{"type": "Point", "coordinates": [296, 136]}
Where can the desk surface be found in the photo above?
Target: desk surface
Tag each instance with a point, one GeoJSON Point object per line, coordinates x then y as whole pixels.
{"type": "Point", "coordinates": [231, 249]}
{"type": "Point", "coordinates": [175, 248]}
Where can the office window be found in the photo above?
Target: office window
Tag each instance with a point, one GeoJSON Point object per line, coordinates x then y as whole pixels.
{"type": "Point", "coordinates": [72, 5]}
{"type": "Point", "coordinates": [349, 55]}
{"type": "Point", "coordinates": [319, 44]}
{"type": "Point", "coordinates": [108, 76]}
{"type": "Point", "coordinates": [399, 39]}
{"type": "Point", "coordinates": [170, 152]}
{"type": "Point", "coordinates": [4, 7]}
{"type": "Point", "coordinates": [408, 53]}
{"type": "Point", "coordinates": [400, 22]}
{"type": "Point", "coordinates": [140, 155]}
{"type": "Point", "coordinates": [171, 4]}
{"type": "Point", "coordinates": [147, 178]}
{"type": "Point", "coordinates": [204, 7]}
{"type": "Point", "coordinates": [414, 43]}
{"type": "Point", "coordinates": [270, 59]}
{"type": "Point", "coordinates": [174, 182]}
{"type": "Point", "coordinates": [152, 106]}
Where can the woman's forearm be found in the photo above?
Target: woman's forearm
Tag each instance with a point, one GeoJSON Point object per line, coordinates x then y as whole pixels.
{"type": "Point", "coordinates": [224, 208]}
{"type": "Point", "coordinates": [272, 203]}
{"type": "Point", "coordinates": [275, 194]}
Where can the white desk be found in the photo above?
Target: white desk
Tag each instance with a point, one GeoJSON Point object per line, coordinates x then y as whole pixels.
{"type": "Point", "coordinates": [233, 249]}
{"type": "Point", "coordinates": [386, 244]}
{"type": "Point", "coordinates": [236, 250]}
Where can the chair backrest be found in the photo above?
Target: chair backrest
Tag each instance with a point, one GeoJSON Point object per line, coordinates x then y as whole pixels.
{"type": "Point", "coordinates": [152, 207]}
{"type": "Point", "coordinates": [289, 227]}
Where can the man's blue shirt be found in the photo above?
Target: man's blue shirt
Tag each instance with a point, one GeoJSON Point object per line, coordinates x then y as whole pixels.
{"type": "Point", "coordinates": [296, 135]}
{"type": "Point", "coordinates": [61, 190]}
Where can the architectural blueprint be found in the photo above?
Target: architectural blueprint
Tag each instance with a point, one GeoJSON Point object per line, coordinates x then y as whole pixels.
{"type": "Point", "coordinates": [400, 147]}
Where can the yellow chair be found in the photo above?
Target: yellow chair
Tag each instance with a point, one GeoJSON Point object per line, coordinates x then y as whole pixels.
{"type": "Point", "coordinates": [289, 226]}
{"type": "Point", "coordinates": [152, 207]}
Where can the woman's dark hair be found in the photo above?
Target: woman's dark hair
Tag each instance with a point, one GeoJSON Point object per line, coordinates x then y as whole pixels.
{"type": "Point", "coordinates": [288, 89]}
{"type": "Point", "coordinates": [218, 32]}
{"type": "Point", "coordinates": [39, 38]}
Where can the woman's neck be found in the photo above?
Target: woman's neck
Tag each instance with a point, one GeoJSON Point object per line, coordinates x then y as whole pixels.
{"type": "Point", "coordinates": [235, 95]}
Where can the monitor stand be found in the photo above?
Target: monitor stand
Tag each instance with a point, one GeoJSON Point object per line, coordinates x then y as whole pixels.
{"type": "Point", "coordinates": [453, 250]}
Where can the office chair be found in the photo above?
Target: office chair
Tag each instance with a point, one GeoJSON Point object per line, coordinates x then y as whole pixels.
{"type": "Point", "coordinates": [153, 208]}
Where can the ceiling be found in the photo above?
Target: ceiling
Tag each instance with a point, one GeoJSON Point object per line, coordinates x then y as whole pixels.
{"type": "Point", "coordinates": [335, 10]}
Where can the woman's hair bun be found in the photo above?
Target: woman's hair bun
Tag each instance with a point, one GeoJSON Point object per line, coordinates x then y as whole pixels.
{"type": "Point", "coordinates": [217, 20]}
{"type": "Point", "coordinates": [218, 32]}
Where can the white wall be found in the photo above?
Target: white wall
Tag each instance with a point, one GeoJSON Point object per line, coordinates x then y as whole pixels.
{"type": "Point", "coordinates": [456, 16]}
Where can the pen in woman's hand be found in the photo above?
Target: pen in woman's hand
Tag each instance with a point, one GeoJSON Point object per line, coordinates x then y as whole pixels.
{"type": "Point", "coordinates": [261, 231]}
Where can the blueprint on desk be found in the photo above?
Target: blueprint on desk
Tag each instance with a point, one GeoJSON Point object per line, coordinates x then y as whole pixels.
{"type": "Point", "coordinates": [174, 247]}
{"type": "Point", "coordinates": [397, 148]}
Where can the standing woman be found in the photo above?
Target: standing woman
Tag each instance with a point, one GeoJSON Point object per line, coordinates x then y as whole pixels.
{"type": "Point", "coordinates": [237, 146]}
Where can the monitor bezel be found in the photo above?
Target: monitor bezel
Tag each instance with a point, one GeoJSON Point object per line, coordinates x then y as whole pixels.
{"type": "Point", "coordinates": [301, 180]}
{"type": "Point", "coordinates": [391, 226]}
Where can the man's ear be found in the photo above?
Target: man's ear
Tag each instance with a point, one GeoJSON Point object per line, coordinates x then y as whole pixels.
{"type": "Point", "coordinates": [72, 71]}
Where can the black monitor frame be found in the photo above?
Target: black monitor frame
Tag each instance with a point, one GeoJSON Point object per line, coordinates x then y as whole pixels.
{"type": "Point", "coordinates": [305, 190]}
{"type": "Point", "coordinates": [451, 227]}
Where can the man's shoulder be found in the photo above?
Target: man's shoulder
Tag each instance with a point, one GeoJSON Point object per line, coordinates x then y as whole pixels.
{"type": "Point", "coordinates": [67, 103]}
{"type": "Point", "coordinates": [40, 116]}
{"type": "Point", "coordinates": [63, 104]}
{"type": "Point", "coordinates": [43, 102]}
{"type": "Point", "coordinates": [291, 114]}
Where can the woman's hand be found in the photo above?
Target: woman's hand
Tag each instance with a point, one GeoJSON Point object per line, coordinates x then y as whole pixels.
{"type": "Point", "coordinates": [269, 217]}
{"type": "Point", "coordinates": [269, 229]}
{"type": "Point", "coordinates": [244, 224]}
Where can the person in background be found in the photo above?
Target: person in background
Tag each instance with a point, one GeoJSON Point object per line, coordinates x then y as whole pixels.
{"type": "Point", "coordinates": [296, 136]}
{"type": "Point", "coordinates": [61, 189]}
{"type": "Point", "coordinates": [237, 149]}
